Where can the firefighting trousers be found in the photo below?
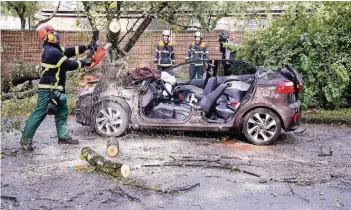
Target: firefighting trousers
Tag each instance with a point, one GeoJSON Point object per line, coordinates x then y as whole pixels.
{"type": "Point", "coordinates": [39, 114]}
{"type": "Point", "coordinates": [196, 72]}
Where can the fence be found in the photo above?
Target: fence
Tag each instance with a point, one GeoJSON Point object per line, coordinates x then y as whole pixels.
{"type": "Point", "coordinates": [25, 46]}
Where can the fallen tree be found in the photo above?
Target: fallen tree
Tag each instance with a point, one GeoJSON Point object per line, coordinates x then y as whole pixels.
{"type": "Point", "coordinates": [15, 73]}
{"type": "Point", "coordinates": [112, 168]}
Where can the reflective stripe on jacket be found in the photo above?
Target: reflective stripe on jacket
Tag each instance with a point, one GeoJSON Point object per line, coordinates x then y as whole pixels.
{"type": "Point", "coordinates": [197, 52]}
{"type": "Point", "coordinates": [164, 54]}
{"type": "Point", "coordinates": [55, 63]}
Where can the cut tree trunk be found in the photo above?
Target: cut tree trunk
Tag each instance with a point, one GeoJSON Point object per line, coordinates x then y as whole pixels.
{"type": "Point", "coordinates": [112, 147]}
{"type": "Point", "coordinates": [107, 166]}
{"type": "Point", "coordinates": [19, 95]}
{"type": "Point", "coordinates": [14, 74]}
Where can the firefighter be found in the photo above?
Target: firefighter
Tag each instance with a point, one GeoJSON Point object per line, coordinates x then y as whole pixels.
{"type": "Point", "coordinates": [197, 51]}
{"type": "Point", "coordinates": [52, 98]}
{"type": "Point", "coordinates": [164, 55]}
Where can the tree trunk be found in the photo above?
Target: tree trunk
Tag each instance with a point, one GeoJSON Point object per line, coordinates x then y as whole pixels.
{"type": "Point", "coordinates": [19, 95]}
{"type": "Point", "coordinates": [140, 30]}
{"type": "Point", "coordinates": [109, 167]}
{"type": "Point", "coordinates": [17, 74]}
{"type": "Point", "coordinates": [112, 147]}
{"type": "Point", "coordinates": [146, 22]}
{"type": "Point", "coordinates": [23, 22]}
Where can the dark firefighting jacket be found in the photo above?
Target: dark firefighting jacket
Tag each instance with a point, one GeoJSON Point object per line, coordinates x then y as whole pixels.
{"type": "Point", "coordinates": [197, 52]}
{"type": "Point", "coordinates": [55, 63]}
{"type": "Point", "coordinates": [164, 54]}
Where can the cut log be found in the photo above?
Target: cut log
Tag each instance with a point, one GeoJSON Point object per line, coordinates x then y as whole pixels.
{"type": "Point", "coordinates": [112, 147]}
{"type": "Point", "coordinates": [112, 168]}
{"type": "Point", "coordinates": [19, 95]}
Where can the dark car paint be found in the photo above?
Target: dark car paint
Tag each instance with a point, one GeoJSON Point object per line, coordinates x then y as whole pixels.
{"type": "Point", "coordinates": [261, 94]}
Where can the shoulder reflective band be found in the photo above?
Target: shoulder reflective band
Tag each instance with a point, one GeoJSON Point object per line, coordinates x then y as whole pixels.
{"type": "Point", "coordinates": [46, 69]}
{"type": "Point", "coordinates": [76, 49]}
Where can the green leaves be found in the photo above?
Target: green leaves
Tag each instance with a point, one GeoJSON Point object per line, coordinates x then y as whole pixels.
{"type": "Point", "coordinates": [317, 43]}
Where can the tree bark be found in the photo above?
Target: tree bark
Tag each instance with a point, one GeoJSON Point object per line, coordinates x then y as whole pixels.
{"type": "Point", "coordinates": [18, 74]}
{"type": "Point", "coordinates": [19, 95]}
{"type": "Point", "coordinates": [140, 30]}
{"type": "Point", "coordinates": [109, 167]}
{"type": "Point", "coordinates": [96, 32]}
{"type": "Point", "coordinates": [23, 22]}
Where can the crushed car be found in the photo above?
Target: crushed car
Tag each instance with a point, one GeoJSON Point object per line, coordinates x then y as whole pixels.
{"type": "Point", "coordinates": [233, 96]}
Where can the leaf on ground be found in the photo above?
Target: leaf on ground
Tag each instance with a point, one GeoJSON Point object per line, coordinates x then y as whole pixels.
{"type": "Point", "coordinates": [79, 168]}
{"type": "Point", "coordinates": [234, 168]}
{"type": "Point", "coordinates": [339, 201]}
{"type": "Point", "coordinates": [154, 186]}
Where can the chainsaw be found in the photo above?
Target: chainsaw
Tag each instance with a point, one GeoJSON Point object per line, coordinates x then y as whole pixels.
{"type": "Point", "coordinates": [97, 54]}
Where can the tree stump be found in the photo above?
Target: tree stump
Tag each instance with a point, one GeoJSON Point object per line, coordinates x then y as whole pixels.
{"type": "Point", "coordinates": [112, 147]}
{"type": "Point", "coordinates": [107, 166]}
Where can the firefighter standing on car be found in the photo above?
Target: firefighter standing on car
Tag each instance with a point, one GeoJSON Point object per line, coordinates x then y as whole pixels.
{"type": "Point", "coordinates": [52, 98]}
{"type": "Point", "coordinates": [197, 52]}
{"type": "Point", "coordinates": [164, 55]}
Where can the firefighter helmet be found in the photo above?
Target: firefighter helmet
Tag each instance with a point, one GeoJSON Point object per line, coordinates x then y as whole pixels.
{"type": "Point", "coordinates": [198, 34]}
{"type": "Point", "coordinates": [48, 33]}
{"type": "Point", "coordinates": [166, 33]}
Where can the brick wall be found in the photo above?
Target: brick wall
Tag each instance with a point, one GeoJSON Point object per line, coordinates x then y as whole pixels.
{"type": "Point", "coordinates": [26, 45]}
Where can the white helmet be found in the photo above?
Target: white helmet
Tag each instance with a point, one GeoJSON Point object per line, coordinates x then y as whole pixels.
{"type": "Point", "coordinates": [198, 34]}
{"type": "Point", "coordinates": [166, 33]}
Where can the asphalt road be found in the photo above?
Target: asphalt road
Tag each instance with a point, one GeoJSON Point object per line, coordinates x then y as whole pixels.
{"type": "Point", "coordinates": [291, 174]}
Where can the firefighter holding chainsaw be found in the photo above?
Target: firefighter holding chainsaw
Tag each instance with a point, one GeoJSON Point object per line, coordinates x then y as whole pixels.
{"type": "Point", "coordinates": [52, 98]}
{"type": "Point", "coordinates": [164, 55]}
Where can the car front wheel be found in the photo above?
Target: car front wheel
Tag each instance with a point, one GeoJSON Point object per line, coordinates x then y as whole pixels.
{"type": "Point", "coordinates": [261, 126]}
{"type": "Point", "coordinates": [111, 119]}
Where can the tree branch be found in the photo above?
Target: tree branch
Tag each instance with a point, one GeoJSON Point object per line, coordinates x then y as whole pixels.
{"type": "Point", "coordinates": [144, 24]}
{"type": "Point", "coordinates": [130, 29]}
{"type": "Point", "coordinates": [92, 23]}
{"type": "Point", "coordinates": [50, 17]}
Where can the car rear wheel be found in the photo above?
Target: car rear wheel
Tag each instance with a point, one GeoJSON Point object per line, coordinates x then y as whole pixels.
{"type": "Point", "coordinates": [111, 119]}
{"type": "Point", "coordinates": [261, 126]}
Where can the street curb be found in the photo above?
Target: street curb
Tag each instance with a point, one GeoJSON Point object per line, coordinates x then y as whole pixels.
{"type": "Point", "coordinates": [327, 121]}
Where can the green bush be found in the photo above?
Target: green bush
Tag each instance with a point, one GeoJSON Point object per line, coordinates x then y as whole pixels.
{"type": "Point", "coordinates": [316, 42]}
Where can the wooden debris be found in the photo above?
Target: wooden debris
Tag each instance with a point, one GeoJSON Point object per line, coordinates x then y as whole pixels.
{"type": "Point", "coordinates": [107, 166]}
{"type": "Point", "coordinates": [112, 147]}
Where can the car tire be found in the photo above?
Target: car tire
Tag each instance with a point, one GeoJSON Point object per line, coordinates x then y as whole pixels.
{"type": "Point", "coordinates": [111, 118]}
{"type": "Point", "coordinates": [261, 126]}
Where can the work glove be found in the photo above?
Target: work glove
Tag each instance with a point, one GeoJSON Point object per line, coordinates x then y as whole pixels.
{"type": "Point", "coordinates": [91, 46]}
{"type": "Point", "coordinates": [53, 101]}
{"type": "Point", "coordinates": [88, 62]}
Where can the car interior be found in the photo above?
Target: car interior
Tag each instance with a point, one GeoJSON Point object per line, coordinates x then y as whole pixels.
{"type": "Point", "coordinates": [218, 94]}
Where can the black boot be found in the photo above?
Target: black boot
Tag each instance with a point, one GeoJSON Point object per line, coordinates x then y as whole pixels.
{"type": "Point", "coordinates": [67, 140]}
{"type": "Point", "coordinates": [27, 144]}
